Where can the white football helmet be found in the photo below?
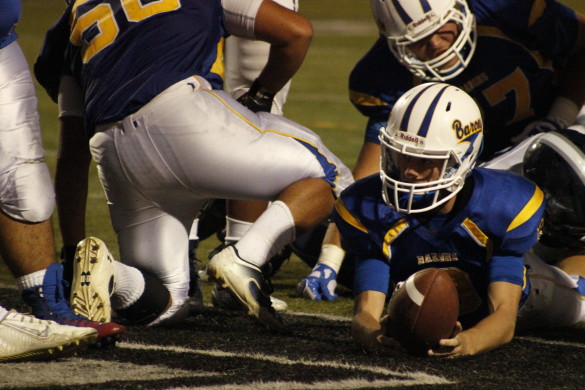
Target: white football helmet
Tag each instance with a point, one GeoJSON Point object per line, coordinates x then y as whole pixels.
{"type": "Point", "coordinates": [430, 121]}
{"type": "Point", "coordinates": [403, 22]}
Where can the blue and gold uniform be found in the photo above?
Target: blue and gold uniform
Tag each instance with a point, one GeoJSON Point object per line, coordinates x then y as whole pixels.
{"type": "Point", "coordinates": [520, 46]}
{"type": "Point", "coordinates": [167, 52]}
{"type": "Point", "coordinates": [480, 242]}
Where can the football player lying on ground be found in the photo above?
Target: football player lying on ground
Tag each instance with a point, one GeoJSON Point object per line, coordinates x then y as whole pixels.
{"type": "Point", "coordinates": [166, 139]}
{"type": "Point", "coordinates": [486, 47]}
{"type": "Point", "coordinates": [429, 207]}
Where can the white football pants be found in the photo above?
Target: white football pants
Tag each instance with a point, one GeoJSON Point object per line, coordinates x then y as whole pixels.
{"type": "Point", "coordinates": [190, 144]}
{"type": "Point", "coordinates": [26, 188]}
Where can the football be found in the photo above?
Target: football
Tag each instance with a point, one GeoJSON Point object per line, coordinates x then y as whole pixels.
{"type": "Point", "coordinates": [423, 310]}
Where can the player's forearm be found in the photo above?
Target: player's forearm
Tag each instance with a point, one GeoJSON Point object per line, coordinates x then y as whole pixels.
{"type": "Point", "coordinates": [289, 35]}
{"type": "Point", "coordinates": [283, 63]}
{"type": "Point", "coordinates": [364, 330]}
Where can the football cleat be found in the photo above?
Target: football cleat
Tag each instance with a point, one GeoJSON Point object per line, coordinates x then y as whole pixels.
{"type": "Point", "coordinates": [247, 283]}
{"type": "Point", "coordinates": [48, 302]}
{"type": "Point", "coordinates": [93, 280]}
{"type": "Point", "coordinates": [222, 298]}
{"type": "Point", "coordinates": [319, 285]}
{"type": "Point", "coordinates": [24, 337]}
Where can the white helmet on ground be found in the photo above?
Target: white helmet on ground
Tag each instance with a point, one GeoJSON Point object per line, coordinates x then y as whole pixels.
{"type": "Point", "coordinates": [431, 121]}
{"type": "Point", "coordinates": [403, 22]}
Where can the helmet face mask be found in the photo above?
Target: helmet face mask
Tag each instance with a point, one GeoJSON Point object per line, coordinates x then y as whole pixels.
{"type": "Point", "coordinates": [404, 22]}
{"type": "Point", "coordinates": [556, 163]}
{"type": "Point", "coordinates": [430, 122]}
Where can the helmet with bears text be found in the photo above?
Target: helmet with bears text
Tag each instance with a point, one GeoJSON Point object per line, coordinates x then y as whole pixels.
{"type": "Point", "coordinates": [403, 22]}
{"type": "Point", "coordinates": [433, 121]}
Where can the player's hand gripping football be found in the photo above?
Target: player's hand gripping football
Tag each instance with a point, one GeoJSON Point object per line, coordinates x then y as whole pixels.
{"type": "Point", "coordinates": [319, 285]}
{"type": "Point", "coordinates": [452, 347]}
{"type": "Point", "coordinates": [257, 98]}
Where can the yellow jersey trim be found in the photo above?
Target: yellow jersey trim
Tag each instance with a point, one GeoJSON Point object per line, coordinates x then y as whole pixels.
{"type": "Point", "coordinates": [348, 217]}
{"type": "Point", "coordinates": [528, 211]}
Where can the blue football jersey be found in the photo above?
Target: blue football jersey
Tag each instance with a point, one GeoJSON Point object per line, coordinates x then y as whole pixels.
{"type": "Point", "coordinates": [124, 53]}
{"type": "Point", "coordinates": [9, 15]}
{"type": "Point", "coordinates": [520, 45]}
{"type": "Point", "coordinates": [481, 242]}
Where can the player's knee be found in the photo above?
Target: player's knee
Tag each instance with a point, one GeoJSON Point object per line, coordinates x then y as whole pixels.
{"type": "Point", "coordinates": [154, 301]}
{"type": "Point", "coordinates": [29, 195]}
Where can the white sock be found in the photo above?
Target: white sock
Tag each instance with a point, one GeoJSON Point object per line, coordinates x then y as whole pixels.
{"type": "Point", "coordinates": [31, 280]}
{"type": "Point", "coordinates": [235, 229]}
{"type": "Point", "coordinates": [268, 235]}
{"type": "Point", "coordinates": [129, 286]}
{"type": "Point", "coordinates": [331, 255]}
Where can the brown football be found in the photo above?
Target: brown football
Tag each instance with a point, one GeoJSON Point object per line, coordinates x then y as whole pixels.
{"type": "Point", "coordinates": [423, 310]}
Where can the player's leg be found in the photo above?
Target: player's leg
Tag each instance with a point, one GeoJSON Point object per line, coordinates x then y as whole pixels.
{"type": "Point", "coordinates": [28, 199]}
{"type": "Point", "coordinates": [573, 265]}
{"type": "Point", "coordinates": [244, 59]}
{"type": "Point", "coordinates": [248, 247]}
{"type": "Point", "coordinates": [191, 143]}
{"type": "Point", "coordinates": [152, 280]}
{"type": "Point", "coordinates": [556, 297]}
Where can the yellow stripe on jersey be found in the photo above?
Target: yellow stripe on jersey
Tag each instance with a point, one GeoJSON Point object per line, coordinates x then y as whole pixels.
{"type": "Point", "coordinates": [528, 211]}
{"type": "Point", "coordinates": [392, 234]}
{"type": "Point", "coordinates": [536, 11]}
{"type": "Point", "coordinates": [217, 66]}
{"type": "Point", "coordinates": [363, 99]}
{"type": "Point", "coordinates": [347, 217]}
{"type": "Point", "coordinates": [480, 237]}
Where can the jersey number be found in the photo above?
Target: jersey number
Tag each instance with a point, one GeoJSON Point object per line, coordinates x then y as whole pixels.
{"type": "Point", "coordinates": [517, 83]}
{"type": "Point", "coordinates": [97, 28]}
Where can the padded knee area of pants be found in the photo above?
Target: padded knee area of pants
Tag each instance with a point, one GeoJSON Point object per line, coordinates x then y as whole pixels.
{"type": "Point", "coordinates": [152, 303]}
{"type": "Point", "coordinates": [27, 193]}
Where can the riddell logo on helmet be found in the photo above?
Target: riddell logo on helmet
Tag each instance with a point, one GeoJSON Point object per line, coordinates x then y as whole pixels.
{"type": "Point", "coordinates": [417, 23]}
{"type": "Point", "coordinates": [409, 138]}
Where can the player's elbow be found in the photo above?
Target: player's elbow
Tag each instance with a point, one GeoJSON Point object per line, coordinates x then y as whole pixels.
{"type": "Point", "coordinates": [303, 31]}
